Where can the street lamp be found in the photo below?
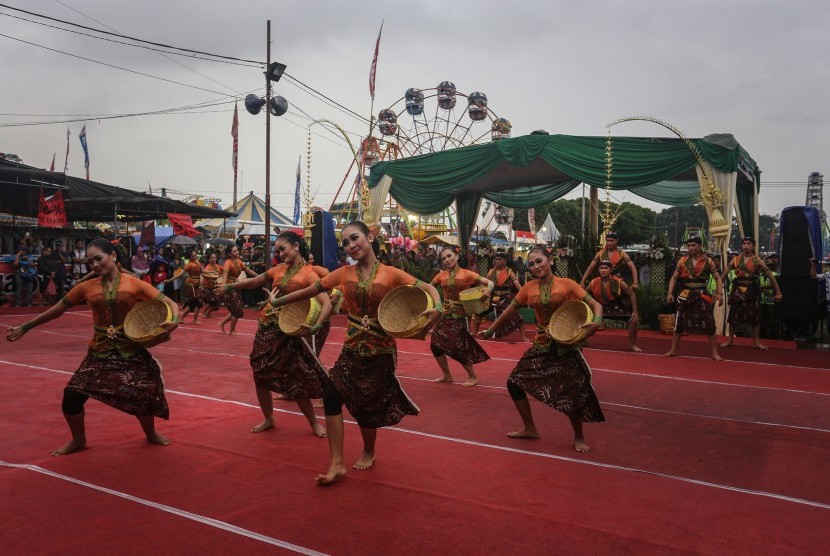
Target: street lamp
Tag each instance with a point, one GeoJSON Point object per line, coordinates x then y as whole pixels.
{"type": "Point", "coordinates": [277, 106]}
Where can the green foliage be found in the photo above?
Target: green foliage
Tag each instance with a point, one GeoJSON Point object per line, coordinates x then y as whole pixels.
{"type": "Point", "coordinates": [651, 298]}
{"type": "Point", "coordinates": [424, 275]}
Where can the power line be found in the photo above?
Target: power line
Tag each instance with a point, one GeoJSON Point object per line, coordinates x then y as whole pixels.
{"type": "Point", "coordinates": [116, 67]}
{"type": "Point", "coordinates": [161, 45]}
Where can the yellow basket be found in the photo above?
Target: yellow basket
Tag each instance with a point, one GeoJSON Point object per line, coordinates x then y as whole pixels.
{"type": "Point", "coordinates": [294, 315]}
{"type": "Point", "coordinates": [472, 302]}
{"type": "Point", "coordinates": [399, 312]}
{"type": "Point", "coordinates": [666, 323]}
{"type": "Point", "coordinates": [565, 324]}
{"type": "Point", "coordinates": [143, 323]}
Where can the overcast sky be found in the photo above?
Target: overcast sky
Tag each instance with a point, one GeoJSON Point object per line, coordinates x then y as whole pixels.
{"type": "Point", "coordinates": [755, 68]}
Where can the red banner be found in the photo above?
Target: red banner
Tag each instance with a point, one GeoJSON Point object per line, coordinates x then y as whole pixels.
{"type": "Point", "coordinates": [148, 233]}
{"type": "Point", "coordinates": [182, 225]}
{"type": "Point", "coordinates": [51, 213]}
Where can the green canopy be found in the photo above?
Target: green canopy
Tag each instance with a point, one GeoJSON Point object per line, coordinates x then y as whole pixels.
{"type": "Point", "coordinates": [528, 171]}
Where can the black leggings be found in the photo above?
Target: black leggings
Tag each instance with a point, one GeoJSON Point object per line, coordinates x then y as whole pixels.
{"type": "Point", "coordinates": [73, 401]}
{"type": "Point", "coordinates": [332, 402]}
{"type": "Point", "coordinates": [516, 393]}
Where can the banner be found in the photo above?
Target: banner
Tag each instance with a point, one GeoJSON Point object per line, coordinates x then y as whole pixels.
{"type": "Point", "coordinates": [51, 213]}
{"type": "Point", "coordinates": [297, 195]}
{"type": "Point", "coordinates": [66, 162]}
{"type": "Point", "coordinates": [82, 137]}
{"type": "Point", "coordinates": [374, 67]}
{"type": "Point", "coordinates": [235, 135]}
{"type": "Point", "coordinates": [148, 233]}
{"type": "Point", "coordinates": [531, 220]}
{"type": "Point", "coordinates": [182, 225]}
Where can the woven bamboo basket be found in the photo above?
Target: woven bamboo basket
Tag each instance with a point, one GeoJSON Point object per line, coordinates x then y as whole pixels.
{"type": "Point", "coordinates": [565, 324]}
{"type": "Point", "coordinates": [335, 309]}
{"type": "Point", "coordinates": [210, 275]}
{"type": "Point", "coordinates": [143, 322]}
{"type": "Point", "coordinates": [666, 323]}
{"type": "Point", "coordinates": [293, 316]}
{"type": "Point", "coordinates": [472, 302]}
{"type": "Point", "coordinates": [399, 312]}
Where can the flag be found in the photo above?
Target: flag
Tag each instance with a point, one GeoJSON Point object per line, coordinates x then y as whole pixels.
{"type": "Point", "coordinates": [82, 137]}
{"type": "Point", "coordinates": [52, 167]}
{"type": "Point", "coordinates": [297, 195]}
{"type": "Point", "coordinates": [66, 162]}
{"type": "Point", "coordinates": [51, 213]}
{"type": "Point", "coordinates": [182, 225]}
{"type": "Point", "coordinates": [148, 233]}
{"type": "Point", "coordinates": [531, 220]}
{"type": "Point", "coordinates": [235, 135]}
{"type": "Point", "coordinates": [374, 67]}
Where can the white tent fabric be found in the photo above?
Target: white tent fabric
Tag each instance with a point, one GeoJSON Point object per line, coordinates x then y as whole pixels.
{"type": "Point", "coordinates": [548, 232]}
{"type": "Point", "coordinates": [250, 210]}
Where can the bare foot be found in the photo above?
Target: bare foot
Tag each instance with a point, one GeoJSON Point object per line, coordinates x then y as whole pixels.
{"type": "Point", "coordinates": [72, 446]}
{"type": "Point", "coordinates": [319, 430]}
{"type": "Point", "coordinates": [222, 327]}
{"type": "Point", "coordinates": [635, 348]}
{"type": "Point", "coordinates": [524, 433]}
{"type": "Point", "coordinates": [717, 357]}
{"type": "Point", "coordinates": [158, 439]}
{"type": "Point", "coordinates": [726, 344]}
{"type": "Point", "coordinates": [335, 472]}
{"type": "Point", "coordinates": [669, 354]}
{"type": "Point", "coordinates": [365, 461]}
{"type": "Point", "coordinates": [264, 426]}
{"type": "Point", "coordinates": [197, 322]}
{"type": "Point", "coordinates": [232, 332]}
{"type": "Point", "coordinates": [759, 346]}
{"type": "Point", "coordinates": [472, 381]}
{"type": "Point", "coordinates": [443, 379]}
{"type": "Point", "coordinates": [580, 446]}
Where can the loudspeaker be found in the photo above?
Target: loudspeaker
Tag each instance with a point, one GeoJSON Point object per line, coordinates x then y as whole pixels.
{"type": "Point", "coordinates": [324, 241]}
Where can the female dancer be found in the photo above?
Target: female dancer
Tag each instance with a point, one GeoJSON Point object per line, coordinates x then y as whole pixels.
{"type": "Point", "coordinates": [364, 375]}
{"type": "Point", "coordinates": [450, 335]}
{"type": "Point", "coordinates": [234, 267]}
{"type": "Point", "coordinates": [281, 363]}
{"type": "Point", "coordinates": [556, 375]}
{"type": "Point", "coordinates": [210, 274]}
{"type": "Point", "coordinates": [191, 293]}
{"type": "Point", "coordinates": [116, 370]}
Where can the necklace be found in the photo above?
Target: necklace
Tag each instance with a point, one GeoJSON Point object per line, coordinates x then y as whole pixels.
{"type": "Point", "coordinates": [290, 273]}
{"type": "Point", "coordinates": [110, 296]}
{"type": "Point", "coordinates": [364, 287]}
{"type": "Point", "coordinates": [544, 292]}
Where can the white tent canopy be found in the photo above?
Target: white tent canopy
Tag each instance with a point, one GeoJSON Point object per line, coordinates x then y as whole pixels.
{"type": "Point", "coordinates": [548, 232]}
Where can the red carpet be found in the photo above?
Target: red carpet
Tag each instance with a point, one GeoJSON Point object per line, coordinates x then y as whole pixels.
{"type": "Point", "coordinates": [695, 456]}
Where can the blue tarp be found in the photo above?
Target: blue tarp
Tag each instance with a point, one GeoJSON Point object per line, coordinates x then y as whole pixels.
{"type": "Point", "coordinates": [163, 233]}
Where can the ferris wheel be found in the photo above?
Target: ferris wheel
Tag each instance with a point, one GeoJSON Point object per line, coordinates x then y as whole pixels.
{"type": "Point", "coordinates": [422, 121]}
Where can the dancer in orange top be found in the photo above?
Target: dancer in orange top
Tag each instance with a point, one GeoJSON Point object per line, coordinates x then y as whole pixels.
{"type": "Point", "coordinates": [116, 370]}
{"type": "Point", "coordinates": [281, 363]}
{"type": "Point", "coordinates": [609, 291]}
{"type": "Point", "coordinates": [505, 282]}
{"type": "Point", "coordinates": [450, 336]}
{"type": "Point", "coordinates": [191, 291]}
{"type": "Point", "coordinates": [210, 275]}
{"type": "Point", "coordinates": [364, 375]}
{"type": "Point", "coordinates": [234, 267]}
{"type": "Point", "coordinates": [617, 257]}
{"type": "Point", "coordinates": [556, 375]}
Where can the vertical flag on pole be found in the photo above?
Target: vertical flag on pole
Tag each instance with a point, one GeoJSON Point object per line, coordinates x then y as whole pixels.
{"type": "Point", "coordinates": [374, 67]}
{"type": "Point", "coordinates": [297, 195]}
{"type": "Point", "coordinates": [82, 137]}
{"type": "Point", "coordinates": [66, 162]}
{"type": "Point", "coordinates": [531, 220]}
{"type": "Point", "coordinates": [235, 135]}
{"type": "Point", "coordinates": [52, 167]}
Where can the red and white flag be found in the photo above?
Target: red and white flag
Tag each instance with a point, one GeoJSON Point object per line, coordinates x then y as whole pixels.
{"type": "Point", "coordinates": [52, 167]}
{"type": "Point", "coordinates": [235, 135]}
{"type": "Point", "coordinates": [374, 67]}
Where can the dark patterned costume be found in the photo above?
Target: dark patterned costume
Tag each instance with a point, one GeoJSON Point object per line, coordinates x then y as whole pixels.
{"type": "Point", "coordinates": [745, 292]}
{"type": "Point", "coordinates": [501, 298]}
{"type": "Point", "coordinates": [695, 306]}
{"type": "Point", "coordinates": [610, 295]}
{"type": "Point", "coordinates": [233, 300]}
{"type": "Point", "coordinates": [283, 363]}
{"type": "Point", "coordinates": [364, 374]}
{"type": "Point", "coordinates": [116, 370]}
{"type": "Point", "coordinates": [450, 336]}
{"type": "Point", "coordinates": [191, 293]}
{"type": "Point", "coordinates": [210, 273]}
{"type": "Point", "coordinates": [554, 374]}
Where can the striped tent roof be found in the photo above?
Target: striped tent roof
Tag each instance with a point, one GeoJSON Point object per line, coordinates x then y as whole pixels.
{"type": "Point", "coordinates": [249, 209]}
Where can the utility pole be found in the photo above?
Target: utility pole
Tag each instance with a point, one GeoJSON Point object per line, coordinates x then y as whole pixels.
{"type": "Point", "coordinates": [268, 155]}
